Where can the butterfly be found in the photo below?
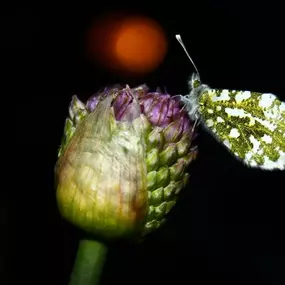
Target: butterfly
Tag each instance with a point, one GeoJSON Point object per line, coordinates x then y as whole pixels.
{"type": "Point", "coordinates": [251, 125]}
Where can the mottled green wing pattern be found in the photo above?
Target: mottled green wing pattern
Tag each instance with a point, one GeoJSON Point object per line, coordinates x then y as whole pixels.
{"type": "Point", "coordinates": [250, 124]}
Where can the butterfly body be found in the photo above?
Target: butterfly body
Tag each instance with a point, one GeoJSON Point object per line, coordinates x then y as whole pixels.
{"type": "Point", "coordinates": [250, 125]}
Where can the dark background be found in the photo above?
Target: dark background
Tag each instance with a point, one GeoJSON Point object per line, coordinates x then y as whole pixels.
{"type": "Point", "coordinates": [228, 225]}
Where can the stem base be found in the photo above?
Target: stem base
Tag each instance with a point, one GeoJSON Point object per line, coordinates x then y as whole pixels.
{"type": "Point", "coordinates": [89, 263]}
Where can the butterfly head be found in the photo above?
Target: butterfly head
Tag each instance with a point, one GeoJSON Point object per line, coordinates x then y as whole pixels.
{"type": "Point", "coordinates": [195, 81]}
{"type": "Point", "coordinates": [191, 100]}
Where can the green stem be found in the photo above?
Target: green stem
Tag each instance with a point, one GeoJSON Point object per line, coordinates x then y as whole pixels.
{"type": "Point", "coordinates": [89, 263]}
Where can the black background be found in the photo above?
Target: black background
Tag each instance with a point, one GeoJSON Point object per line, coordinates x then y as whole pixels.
{"type": "Point", "coordinates": [228, 225]}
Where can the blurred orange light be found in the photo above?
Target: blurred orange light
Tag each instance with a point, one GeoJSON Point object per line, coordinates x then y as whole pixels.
{"type": "Point", "coordinates": [140, 44]}
{"type": "Point", "coordinates": [134, 44]}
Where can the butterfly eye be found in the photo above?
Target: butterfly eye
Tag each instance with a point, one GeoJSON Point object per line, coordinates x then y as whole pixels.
{"type": "Point", "coordinates": [196, 83]}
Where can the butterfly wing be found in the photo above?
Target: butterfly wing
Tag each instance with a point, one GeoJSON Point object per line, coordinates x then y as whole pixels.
{"type": "Point", "coordinates": [250, 124]}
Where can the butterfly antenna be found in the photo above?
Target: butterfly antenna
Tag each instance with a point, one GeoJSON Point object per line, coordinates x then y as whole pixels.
{"type": "Point", "coordinates": [179, 39]}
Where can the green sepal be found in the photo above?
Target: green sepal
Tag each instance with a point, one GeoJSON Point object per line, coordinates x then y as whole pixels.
{"type": "Point", "coordinates": [152, 160]}
{"type": "Point", "coordinates": [155, 139]}
{"type": "Point", "coordinates": [77, 112]}
{"type": "Point", "coordinates": [169, 155]}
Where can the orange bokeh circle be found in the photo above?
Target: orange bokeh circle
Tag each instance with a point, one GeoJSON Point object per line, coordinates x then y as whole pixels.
{"type": "Point", "coordinates": [140, 44]}
{"type": "Point", "coordinates": [131, 44]}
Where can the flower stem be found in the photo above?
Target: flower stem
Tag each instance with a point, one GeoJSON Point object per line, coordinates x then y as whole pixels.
{"type": "Point", "coordinates": [89, 263]}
